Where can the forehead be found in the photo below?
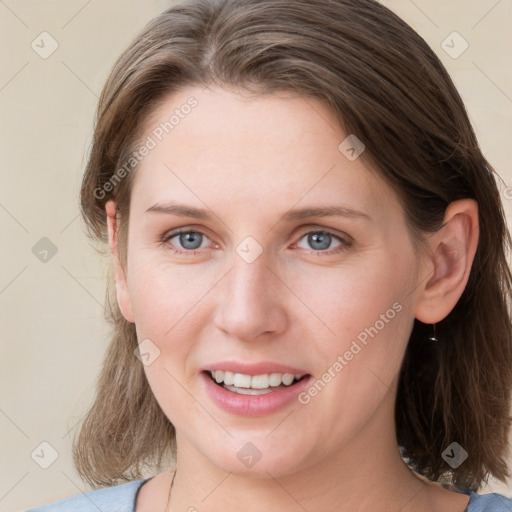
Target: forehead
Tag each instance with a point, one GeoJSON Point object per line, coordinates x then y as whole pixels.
{"type": "Point", "coordinates": [240, 151]}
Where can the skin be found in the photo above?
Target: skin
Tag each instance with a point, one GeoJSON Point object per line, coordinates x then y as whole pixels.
{"type": "Point", "coordinates": [251, 160]}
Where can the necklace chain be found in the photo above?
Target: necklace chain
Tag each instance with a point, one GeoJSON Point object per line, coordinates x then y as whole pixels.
{"type": "Point", "coordinates": [170, 489]}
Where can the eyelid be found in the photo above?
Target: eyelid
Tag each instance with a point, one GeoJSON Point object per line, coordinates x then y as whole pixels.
{"type": "Point", "coordinates": [185, 229]}
{"type": "Point", "coordinates": [315, 228]}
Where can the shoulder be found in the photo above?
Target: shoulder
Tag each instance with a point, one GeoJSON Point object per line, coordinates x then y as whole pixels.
{"type": "Point", "coordinates": [120, 498]}
{"type": "Point", "coordinates": [489, 503]}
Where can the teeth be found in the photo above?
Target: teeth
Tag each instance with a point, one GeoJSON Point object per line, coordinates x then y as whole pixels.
{"type": "Point", "coordinates": [264, 381]}
{"type": "Point", "coordinates": [241, 381]}
{"type": "Point", "coordinates": [248, 391]}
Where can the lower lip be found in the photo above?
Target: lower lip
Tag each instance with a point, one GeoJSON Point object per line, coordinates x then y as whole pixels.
{"type": "Point", "coordinates": [253, 405]}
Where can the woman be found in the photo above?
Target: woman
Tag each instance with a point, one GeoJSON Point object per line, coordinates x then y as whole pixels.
{"type": "Point", "coordinates": [309, 253]}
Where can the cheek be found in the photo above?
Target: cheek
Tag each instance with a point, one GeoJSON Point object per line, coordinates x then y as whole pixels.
{"type": "Point", "coordinates": [368, 308]}
{"type": "Point", "coordinates": [372, 322]}
{"type": "Point", "coordinates": [166, 299]}
{"type": "Point", "coordinates": [352, 298]}
{"type": "Point", "coordinates": [169, 315]}
{"type": "Point", "coordinates": [382, 315]}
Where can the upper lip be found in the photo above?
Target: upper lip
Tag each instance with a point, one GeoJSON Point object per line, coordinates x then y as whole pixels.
{"type": "Point", "coordinates": [254, 368]}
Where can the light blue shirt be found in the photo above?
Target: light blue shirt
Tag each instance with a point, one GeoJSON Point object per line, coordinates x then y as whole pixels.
{"type": "Point", "coordinates": [122, 498]}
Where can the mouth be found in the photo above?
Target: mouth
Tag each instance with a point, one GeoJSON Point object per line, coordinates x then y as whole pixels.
{"type": "Point", "coordinates": [254, 385]}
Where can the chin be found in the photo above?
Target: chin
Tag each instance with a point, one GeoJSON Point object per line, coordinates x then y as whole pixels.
{"type": "Point", "coordinates": [258, 460]}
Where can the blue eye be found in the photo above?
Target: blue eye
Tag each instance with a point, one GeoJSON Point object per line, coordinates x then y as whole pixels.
{"type": "Point", "coordinates": [322, 240]}
{"type": "Point", "coordinates": [189, 240]}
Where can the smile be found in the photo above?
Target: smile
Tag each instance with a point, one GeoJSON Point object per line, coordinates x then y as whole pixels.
{"type": "Point", "coordinates": [275, 392]}
{"type": "Point", "coordinates": [253, 384]}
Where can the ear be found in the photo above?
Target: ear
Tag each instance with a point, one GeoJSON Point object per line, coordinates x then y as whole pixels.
{"type": "Point", "coordinates": [123, 297]}
{"type": "Point", "coordinates": [447, 269]}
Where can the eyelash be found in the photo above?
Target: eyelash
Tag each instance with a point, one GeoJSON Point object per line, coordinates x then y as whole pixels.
{"type": "Point", "coordinates": [345, 242]}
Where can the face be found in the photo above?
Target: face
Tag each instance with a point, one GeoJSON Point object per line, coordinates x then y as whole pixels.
{"type": "Point", "coordinates": [263, 281]}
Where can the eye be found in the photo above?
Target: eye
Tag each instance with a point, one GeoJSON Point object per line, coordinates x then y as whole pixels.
{"type": "Point", "coordinates": [188, 241]}
{"type": "Point", "coordinates": [321, 240]}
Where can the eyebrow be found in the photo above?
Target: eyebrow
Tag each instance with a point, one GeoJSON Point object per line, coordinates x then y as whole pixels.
{"type": "Point", "coordinates": [184, 210]}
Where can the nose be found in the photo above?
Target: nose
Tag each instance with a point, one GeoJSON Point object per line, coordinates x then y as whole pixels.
{"type": "Point", "coordinates": [250, 302]}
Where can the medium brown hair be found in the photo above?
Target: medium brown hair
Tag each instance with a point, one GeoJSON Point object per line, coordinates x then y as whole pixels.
{"type": "Point", "coordinates": [384, 84]}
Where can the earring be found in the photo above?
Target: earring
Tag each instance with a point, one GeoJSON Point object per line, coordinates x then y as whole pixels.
{"type": "Point", "coordinates": [433, 337]}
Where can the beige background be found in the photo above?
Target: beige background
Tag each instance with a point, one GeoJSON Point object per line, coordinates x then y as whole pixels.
{"type": "Point", "coordinates": [53, 332]}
